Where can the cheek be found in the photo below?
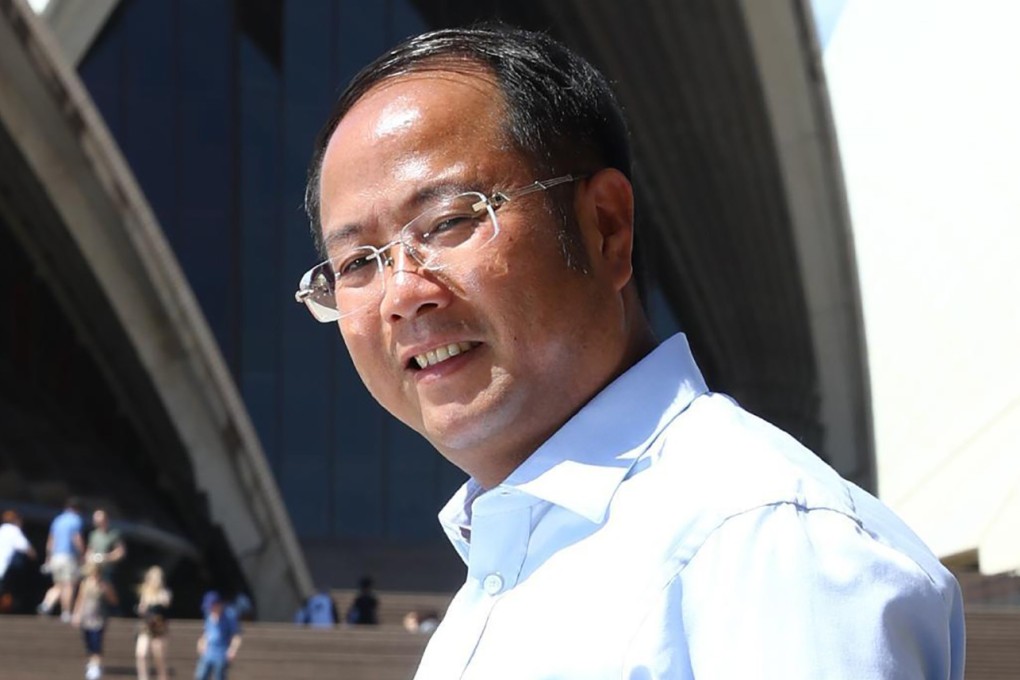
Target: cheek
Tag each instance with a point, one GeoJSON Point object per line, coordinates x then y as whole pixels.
{"type": "Point", "coordinates": [366, 351]}
{"type": "Point", "coordinates": [358, 337]}
{"type": "Point", "coordinates": [515, 270]}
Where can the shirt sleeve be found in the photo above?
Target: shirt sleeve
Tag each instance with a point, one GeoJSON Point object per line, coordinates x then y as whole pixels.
{"type": "Point", "coordinates": [781, 592]}
{"type": "Point", "coordinates": [234, 618]}
{"type": "Point", "coordinates": [20, 542]}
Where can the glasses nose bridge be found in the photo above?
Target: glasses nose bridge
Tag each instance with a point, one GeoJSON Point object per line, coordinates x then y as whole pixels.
{"type": "Point", "coordinates": [407, 250]}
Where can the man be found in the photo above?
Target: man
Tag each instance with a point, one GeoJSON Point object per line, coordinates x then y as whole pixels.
{"type": "Point", "coordinates": [620, 521]}
{"type": "Point", "coordinates": [15, 550]}
{"type": "Point", "coordinates": [318, 611]}
{"type": "Point", "coordinates": [220, 640]}
{"type": "Point", "coordinates": [105, 546]}
{"type": "Point", "coordinates": [64, 551]}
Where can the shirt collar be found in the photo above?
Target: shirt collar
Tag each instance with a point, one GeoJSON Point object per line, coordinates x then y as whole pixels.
{"type": "Point", "coordinates": [582, 464]}
{"type": "Point", "coordinates": [455, 517]}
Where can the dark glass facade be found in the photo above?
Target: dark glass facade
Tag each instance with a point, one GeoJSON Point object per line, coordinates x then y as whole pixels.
{"type": "Point", "coordinates": [215, 105]}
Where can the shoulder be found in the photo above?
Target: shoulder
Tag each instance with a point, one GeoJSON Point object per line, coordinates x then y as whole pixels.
{"type": "Point", "coordinates": [716, 461]}
{"type": "Point", "coordinates": [723, 475]}
{"type": "Point", "coordinates": [808, 594]}
{"type": "Point", "coordinates": [765, 546]}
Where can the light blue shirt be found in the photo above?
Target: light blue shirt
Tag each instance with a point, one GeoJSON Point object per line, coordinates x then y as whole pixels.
{"type": "Point", "coordinates": [62, 529]}
{"type": "Point", "coordinates": [664, 532]}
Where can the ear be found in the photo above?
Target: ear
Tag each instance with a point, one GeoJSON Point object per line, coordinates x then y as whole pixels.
{"type": "Point", "coordinates": [606, 213]}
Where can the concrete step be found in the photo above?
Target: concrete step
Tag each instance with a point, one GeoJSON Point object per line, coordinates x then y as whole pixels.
{"type": "Point", "coordinates": [394, 604]}
{"type": "Point", "coordinates": [44, 648]}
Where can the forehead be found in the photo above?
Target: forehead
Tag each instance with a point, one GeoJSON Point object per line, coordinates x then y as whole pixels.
{"type": "Point", "coordinates": [412, 130]}
{"type": "Point", "coordinates": [407, 136]}
{"type": "Point", "coordinates": [420, 98]}
{"type": "Point", "coordinates": [416, 114]}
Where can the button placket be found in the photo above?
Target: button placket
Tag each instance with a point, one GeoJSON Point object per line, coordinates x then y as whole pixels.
{"type": "Point", "coordinates": [501, 527]}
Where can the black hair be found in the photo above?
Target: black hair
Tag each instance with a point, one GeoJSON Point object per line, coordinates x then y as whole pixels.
{"type": "Point", "coordinates": [560, 110]}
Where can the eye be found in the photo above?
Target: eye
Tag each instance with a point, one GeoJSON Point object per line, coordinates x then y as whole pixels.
{"type": "Point", "coordinates": [355, 264]}
{"type": "Point", "coordinates": [448, 223]}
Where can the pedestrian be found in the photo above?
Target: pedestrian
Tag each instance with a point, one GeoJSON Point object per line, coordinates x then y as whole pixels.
{"type": "Point", "coordinates": [220, 640]}
{"type": "Point", "coordinates": [364, 611]}
{"type": "Point", "coordinates": [471, 193]}
{"type": "Point", "coordinates": [153, 608]}
{"type": "Point", "coordinates": [64, 552]}
{"type": "Point", "coordinates": [421, 621]}
{"type": "Point", "coordinates": [94, 596]}
{"type": "Point", "coordinates": [15, 553]}
{"type": "Point", "coordinates": [318, 611]}
{"type": "Point", "coordinates": [105, 546]}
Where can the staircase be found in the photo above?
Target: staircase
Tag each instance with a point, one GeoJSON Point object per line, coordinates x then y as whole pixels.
{"type": "Point", "coordinates": [43, 648]}
{"type": "Point", "coordinates": [36, 648]}
{"type": "Point", "coordinates": [394, 604]}
{"type": "Point", "coordinates": [993, 643]}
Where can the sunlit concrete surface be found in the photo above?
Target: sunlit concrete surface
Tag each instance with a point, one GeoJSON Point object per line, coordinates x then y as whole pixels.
{"type": "Point", "coordinates": [926, 110]}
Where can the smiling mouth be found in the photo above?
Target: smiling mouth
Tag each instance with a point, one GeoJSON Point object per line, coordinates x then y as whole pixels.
{"type": "Point", "coordinates": [441, 354]}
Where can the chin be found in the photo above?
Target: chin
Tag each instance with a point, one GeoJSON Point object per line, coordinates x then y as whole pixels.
{"type": "Point", "coordinates": [467, 433]}
{"type": "Point", "coordinates": [451, 441]}
{"type": "Point", "coordinates": [459, 436]}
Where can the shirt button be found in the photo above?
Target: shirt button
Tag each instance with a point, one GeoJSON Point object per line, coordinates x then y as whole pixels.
{"type": "Point", "coordinates": [492, 584]}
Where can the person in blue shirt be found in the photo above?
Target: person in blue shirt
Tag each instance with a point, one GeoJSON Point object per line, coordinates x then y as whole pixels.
{"type": "Point", "coordinates": [318, 611]}
{"type": "Point", "coordinates": [471, 197]}
{"type": "Point", "coordinates": [220, 640]}
{"type": "Point", "coordinates": [65, 549]}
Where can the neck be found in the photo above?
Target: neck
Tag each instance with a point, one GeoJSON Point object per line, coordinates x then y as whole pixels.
{"type": "Point", "coordinates": [494, 468]}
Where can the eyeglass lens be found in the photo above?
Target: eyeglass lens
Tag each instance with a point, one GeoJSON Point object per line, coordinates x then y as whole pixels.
{"type": "Point", "coordinates": [443, 237]}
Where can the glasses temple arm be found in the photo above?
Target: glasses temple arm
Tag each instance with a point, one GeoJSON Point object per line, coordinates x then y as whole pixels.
{"type": "Point", "coordinates": [542, 185]}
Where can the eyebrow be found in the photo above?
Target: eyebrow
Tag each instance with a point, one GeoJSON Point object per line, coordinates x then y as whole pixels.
{"type": "Point", "coordinates": [348, 232]}
{"type": "Point", "coordinates": [442, 189]}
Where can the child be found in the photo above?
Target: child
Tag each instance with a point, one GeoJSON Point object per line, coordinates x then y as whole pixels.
{"type": "Point", "coordinates": [153, 602]}
{"type": "Point", "coordinates": [90, 616]}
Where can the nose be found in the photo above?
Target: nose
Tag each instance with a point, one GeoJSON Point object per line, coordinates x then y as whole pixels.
{"type": "Point", "coordinates": [409, 289]}
{"type": "Point", "coordinates": [398, 257]}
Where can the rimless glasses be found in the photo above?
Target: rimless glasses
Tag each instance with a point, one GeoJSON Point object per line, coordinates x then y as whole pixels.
{"type": "Point", "coordinates": [444, 238]}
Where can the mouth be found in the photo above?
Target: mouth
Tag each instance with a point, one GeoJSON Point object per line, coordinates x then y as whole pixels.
{"type": "Point", "coordinates": [438, 355]}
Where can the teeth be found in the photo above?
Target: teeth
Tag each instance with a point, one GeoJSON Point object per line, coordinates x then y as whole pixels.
{"type": "Point", "coordinates": [441, 354]}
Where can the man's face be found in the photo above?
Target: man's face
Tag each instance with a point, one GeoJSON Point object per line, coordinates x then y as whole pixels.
{"type": "Point", "coordinates": [537, 338]}
{"type": "Point", "coordinates": [99, 519]}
